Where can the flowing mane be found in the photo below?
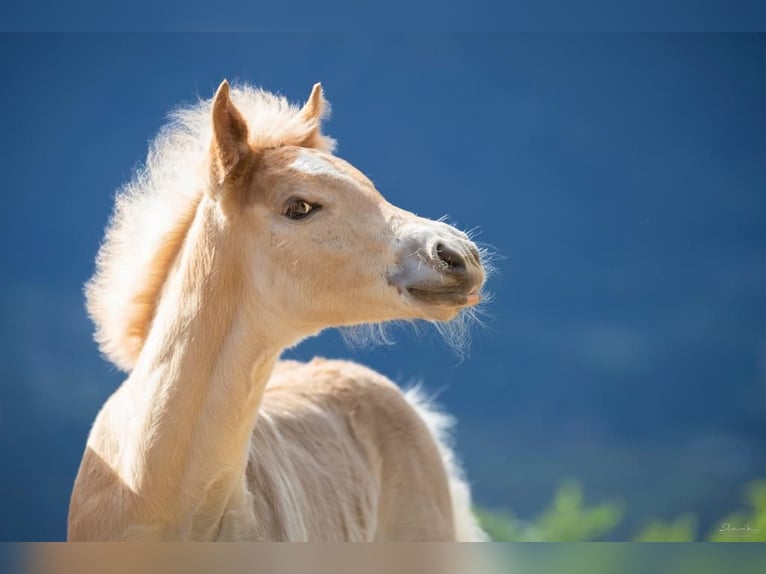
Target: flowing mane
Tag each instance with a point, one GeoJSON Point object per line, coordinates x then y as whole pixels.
{"type": "Point", "coordinates": [154, 210]}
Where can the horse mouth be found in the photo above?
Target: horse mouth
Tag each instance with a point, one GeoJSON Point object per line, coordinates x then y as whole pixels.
{"type": "Point", "coordinates": [444, 296]}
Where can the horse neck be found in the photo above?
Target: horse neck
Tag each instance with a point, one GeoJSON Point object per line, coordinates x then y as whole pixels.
{"type": "Point", "coordinates": [194, 394]}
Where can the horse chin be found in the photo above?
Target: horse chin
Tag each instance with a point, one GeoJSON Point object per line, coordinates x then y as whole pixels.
{"type": "Point", "coordinates": [442, 305]}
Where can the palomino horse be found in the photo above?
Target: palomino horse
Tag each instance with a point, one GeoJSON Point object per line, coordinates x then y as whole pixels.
{"type": "Point", "coordinates": [242, 235]}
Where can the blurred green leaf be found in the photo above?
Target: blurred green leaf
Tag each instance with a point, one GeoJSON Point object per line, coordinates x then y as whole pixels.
{"type": "Point", "coordinates": [683, 529]}
{"type": "Point", "coordinates": [569, 519]}
{"type": "Point", "coordinates": [745, 526]}
{"type": "Point", "coordinates": [566, 520]}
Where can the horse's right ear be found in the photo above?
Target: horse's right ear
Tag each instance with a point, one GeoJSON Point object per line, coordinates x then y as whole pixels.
{"type": "Point", "coordinates": [229, 148]}
{"type": "Point", "coordinates": [313, 112]}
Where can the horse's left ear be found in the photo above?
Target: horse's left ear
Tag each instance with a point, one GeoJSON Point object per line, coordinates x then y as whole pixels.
{"type": "Point", "coordinates": [229, 148]}
{"type": "Point", "coordinates": [313, 112]}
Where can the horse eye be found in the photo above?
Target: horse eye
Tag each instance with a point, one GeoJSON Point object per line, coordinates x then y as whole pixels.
{"type": "Point", "coordinates": [299, 209]}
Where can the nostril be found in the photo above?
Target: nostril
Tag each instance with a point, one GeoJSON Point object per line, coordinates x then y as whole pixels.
{"type": "Point", "coordinates": [450, 258]}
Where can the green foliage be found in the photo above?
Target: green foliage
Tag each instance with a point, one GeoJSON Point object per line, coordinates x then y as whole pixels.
{"type": "Point", "coordinates": [745, 526]}
{"type": "Point", "coordinates": [682, 529]}
{"type": "Point", "coordinates": [569, 519]}
{"type": "Point", "coordinates": [500, 526]}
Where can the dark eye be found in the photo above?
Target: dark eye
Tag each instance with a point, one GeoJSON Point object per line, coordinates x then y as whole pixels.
{"type": "Point", "coordinates": [299, 209]}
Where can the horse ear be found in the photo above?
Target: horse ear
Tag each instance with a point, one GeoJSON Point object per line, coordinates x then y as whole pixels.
{"type": "Point", "coordinates": [316, 106]}
{"type": "Point", "coordinates": [229, 147]}
{"type": "Point", "coordinates": [313, 112]}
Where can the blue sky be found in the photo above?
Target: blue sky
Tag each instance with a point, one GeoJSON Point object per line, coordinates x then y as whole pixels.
{"type": "Point", "coordinates": [480, 16]}
{"type": "Point", "coordinates": [621, 178]}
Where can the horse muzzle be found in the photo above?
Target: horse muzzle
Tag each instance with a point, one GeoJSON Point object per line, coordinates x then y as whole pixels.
{"type": "Point", "coordinates": [446, 270]}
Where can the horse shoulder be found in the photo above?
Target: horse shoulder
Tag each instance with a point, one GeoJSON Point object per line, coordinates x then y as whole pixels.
{"type": "Point", "coordinates": [399, 450]}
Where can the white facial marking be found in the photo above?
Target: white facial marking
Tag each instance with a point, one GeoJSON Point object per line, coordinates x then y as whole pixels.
{"type": "Point", "coordinates": [311, 164]}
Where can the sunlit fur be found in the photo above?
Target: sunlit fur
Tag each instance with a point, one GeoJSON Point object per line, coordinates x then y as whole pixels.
{"type": "Point", "coordinates": [201, 283]}
{"type": "Point", "coordinates": [154, 210]}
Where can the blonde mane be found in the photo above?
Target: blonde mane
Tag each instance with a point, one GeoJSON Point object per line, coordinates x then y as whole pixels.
{"type": "Point", "coordinates": [154, 210]}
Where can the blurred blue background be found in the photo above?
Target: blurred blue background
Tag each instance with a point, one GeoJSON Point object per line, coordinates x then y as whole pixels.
{"type": "Point", "coordinates": [621, 177]}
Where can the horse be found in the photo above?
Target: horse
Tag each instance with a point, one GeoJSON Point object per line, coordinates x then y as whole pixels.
{"type": "Point", "coordinates": [241, 235]}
